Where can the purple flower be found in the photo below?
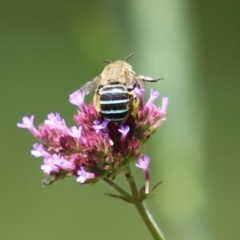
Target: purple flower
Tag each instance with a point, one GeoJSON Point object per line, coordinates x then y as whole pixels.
{"type": "Point", "coordinates": [164, 106]}
{"type": "Point", "coordinates": [124, 131]}
{"type": "Point", "coordinates": [76, 132]}
{"type": "Point", "coordinates": [83, 176]}
{"type": "Point", "coordinates": [50, 165]}
{"type": "Point", "coordinates": [28, 123]}
{"type": "Point", "coordinates": [153, 96]}
{"type": "Point", "coordinates": [143, 164]}
{"type": "Point", "coordinates": [38, 151]}
{"type": "Point", "coordinates": [77, 98]}
{"type": "Point", "coordinates": [100, 125]}
{"type": "Point", "coordinates": [55, 121]}
{"type": "Point", "coordinates": [56, 164]}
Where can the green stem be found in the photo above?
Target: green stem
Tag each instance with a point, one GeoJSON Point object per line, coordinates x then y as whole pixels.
{"type": "Point", "coordinates": [141, 208]}
{"type": "Point", "coordinates": [118, 189]}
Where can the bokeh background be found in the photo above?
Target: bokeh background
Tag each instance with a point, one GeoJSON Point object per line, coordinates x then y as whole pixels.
{"type": "Point", "coordinates": [48, 49]}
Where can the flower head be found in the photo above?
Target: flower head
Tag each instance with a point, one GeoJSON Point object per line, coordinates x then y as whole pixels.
{"type": "Point", "coordinates": [95, 148]}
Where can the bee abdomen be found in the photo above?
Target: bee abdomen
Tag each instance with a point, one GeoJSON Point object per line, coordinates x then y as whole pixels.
{"type": "Point", "coordinates": [114, 102]}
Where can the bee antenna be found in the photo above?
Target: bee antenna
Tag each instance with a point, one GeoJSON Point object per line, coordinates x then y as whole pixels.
{"type": "Point", "coordinates": [130, 55]}
{"type": "Point", "coordinates": [107, 61]}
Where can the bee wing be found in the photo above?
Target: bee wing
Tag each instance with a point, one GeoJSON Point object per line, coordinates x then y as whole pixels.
{"type": "Point", "coordinates": [89, 86]}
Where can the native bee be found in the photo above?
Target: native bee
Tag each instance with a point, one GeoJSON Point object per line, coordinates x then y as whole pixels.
{"type": "Point", "coordinates": [114, 98]}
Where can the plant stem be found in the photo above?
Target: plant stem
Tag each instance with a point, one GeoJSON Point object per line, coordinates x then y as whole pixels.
{"type": "Point", "coordinates": [118, 189]}
{"type": "Point", "coordinates": [141, 208]}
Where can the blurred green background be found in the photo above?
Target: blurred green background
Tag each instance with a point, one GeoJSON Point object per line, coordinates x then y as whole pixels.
{"type": "Point", "coordinates": [48, 49]}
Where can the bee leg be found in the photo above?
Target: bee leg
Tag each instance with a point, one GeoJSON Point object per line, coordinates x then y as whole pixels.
{"type": "Point", "coordinates": [148, 79]}
{"type": "Point", "coordinates": [96, 102]}
{"type": "Point", "coordinates": [131, 87]}
{"type": "Point", "coordinates": [134, 103]}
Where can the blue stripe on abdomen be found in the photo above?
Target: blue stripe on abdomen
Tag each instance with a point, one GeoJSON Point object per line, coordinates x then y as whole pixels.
{"type": "Point", "coordinates": [114, 101]}
{"type": "Point", "coordinates": [114, 111]}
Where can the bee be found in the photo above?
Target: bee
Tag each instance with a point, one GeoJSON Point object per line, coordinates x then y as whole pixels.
{"type": "Point", "coordinates": [114, 98]}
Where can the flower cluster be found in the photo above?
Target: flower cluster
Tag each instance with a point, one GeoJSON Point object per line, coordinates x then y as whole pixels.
{"type": "Point", "coordinates": [94, 149]}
